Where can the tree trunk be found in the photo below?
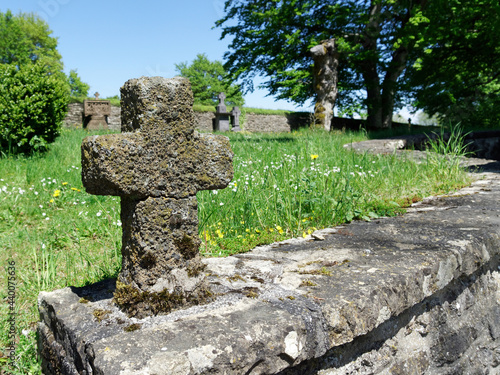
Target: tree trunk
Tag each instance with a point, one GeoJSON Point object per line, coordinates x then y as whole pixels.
{"type": "Point", "coordinates": [326, 61]}
{"type": "Point", "coordinates": [369, 67]}
{"type": "Point", "coordinates": [390, 85]}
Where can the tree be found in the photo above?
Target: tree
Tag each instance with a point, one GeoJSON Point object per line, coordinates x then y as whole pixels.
{"type": "Point", "coordinates": [34, 90]}
{"type": "Point", "coordinates": [79, 90]}
{"type": "Point", "coordinates": [368, 43]}
{"type": "Point", "coordinates": [208, 79]}
{"type": "Point", "coordinates": [457, 77]}
{"type": "Point", "coordinates": [25, 38]}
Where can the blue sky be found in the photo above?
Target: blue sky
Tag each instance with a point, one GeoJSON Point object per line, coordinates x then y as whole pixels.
{"type": "Point", "coordinates": [111, 41]}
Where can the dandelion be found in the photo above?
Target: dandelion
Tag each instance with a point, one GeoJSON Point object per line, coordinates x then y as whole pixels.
{"type": "Point", "coordinates": [314, 156]}
{"type": "Point", "coordinates": [56, 193]}
{"type": "Point", "coordinates": [51, 201]}
{"type": "Point", "coordinates": [64, 183]}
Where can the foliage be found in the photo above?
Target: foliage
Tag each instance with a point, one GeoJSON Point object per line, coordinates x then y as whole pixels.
{"type": "Point", "coordinates": [33, 103]}
{"type": "Point", "coordinates": [79, 89]}
{"type": "Point", "coordinates": [25, 38]}
{"type": "Point", "coordinates": [458, 75]}
{"type": "Point", "coordinates": [208, 79]}
{"type": "Point", "coordinates": [33, 88]}
{"type": "Point", "coordinates": [373, 39]}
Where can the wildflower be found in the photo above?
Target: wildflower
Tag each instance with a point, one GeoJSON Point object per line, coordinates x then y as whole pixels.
{"type": "Point", "coordinates": [64, 183]}
{"type": "Point", "coordinates": [247, 230]}
{"type": "Point", "coordinates": [279, 229]}
{"type": "Point", "coordinates": [304, 234]}
{"type": "Point", "coordinates": [257, 231]}
{"type": "Point", "coordinates": [219, 233]}
{"type": "Point", "coordinates": [215, 192]}
{"type": "Point", "coordinates": [221, 204]}
{"type": "Point", "coordinates": [313, 156]}
{"type": "Point", "coordinates": [51, 201]}
{"type": "Point", "coordinates": [56, 193]}
{"type": "Point", "coordinates": [99, 213]}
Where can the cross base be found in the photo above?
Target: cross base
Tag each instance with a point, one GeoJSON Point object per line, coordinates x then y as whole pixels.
{"type": "Point", "coordinates": [161, 266]}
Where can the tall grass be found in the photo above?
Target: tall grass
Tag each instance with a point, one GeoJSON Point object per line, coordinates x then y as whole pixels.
{"type": "Point", "coordinates": [285, 185]}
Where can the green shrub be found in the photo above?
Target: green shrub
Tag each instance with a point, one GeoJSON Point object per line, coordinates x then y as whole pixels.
{"type": "Point", "coordinates": [33, 103]}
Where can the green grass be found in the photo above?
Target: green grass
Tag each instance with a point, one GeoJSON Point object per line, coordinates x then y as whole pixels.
{"type": "Point", "coordinates": [285, 185]}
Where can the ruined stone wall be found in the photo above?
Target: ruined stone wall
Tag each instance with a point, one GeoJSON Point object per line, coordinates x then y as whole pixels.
{"type": "Point", "coordinates": [73, 118]}
{"type": "Point", "coordinates": [203, 120]}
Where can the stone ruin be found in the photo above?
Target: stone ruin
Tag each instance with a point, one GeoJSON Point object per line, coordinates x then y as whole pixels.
{"type": "Point", "coordinates": [157, 165]}
{"type": "Point", "coordinates": [95, 114]}
{"type": "Point", "coordinates": [221, 122]}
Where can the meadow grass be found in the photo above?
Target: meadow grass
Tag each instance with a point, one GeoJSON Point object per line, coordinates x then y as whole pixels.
{"type": "Point", "coordinates": [285, 185]}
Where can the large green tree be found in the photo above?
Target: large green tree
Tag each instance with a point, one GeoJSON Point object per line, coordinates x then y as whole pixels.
{"type": "Point", "coordinates": [208, 79]}
{"type": "Point", "coordinates": [457, 77]}
{"type": "Point", "coordinates": [25, 38]}
{"type": "Point", "coordinates": [304, 46]}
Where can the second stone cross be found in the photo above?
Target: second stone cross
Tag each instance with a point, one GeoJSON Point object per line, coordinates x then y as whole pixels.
{"type": "Point", "coordinates": [157, 165]}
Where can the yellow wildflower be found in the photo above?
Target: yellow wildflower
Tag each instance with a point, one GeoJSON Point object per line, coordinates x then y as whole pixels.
{"type": "Point", "coordinates": [51, 201]}
{"type": "Point", "coordinates": [279, 229]}
{"type": "Point", "coordinates": [313, 156]}
{"type": "Point", "coordinates": [304, 234]}
{"type": "Point", "coordinates": [64, 183]}
{"type": "Point", "coordinates": [56, 193]}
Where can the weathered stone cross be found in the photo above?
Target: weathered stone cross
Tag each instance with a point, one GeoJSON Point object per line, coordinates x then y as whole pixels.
{"type": "Point", "coordinates": [157, 165]}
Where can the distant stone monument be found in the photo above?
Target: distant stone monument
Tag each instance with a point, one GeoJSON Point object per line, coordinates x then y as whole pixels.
{"type": "Point", "coordinates": [235, 119]}
{"type": "Point", "coordinates": [95, 113]}
{"type": "Point", "coordinates": [221, 121]}
{"type": "Point", "coordinates": [157, 165]}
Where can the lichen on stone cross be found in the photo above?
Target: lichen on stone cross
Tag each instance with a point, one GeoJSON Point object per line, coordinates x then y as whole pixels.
{"type": "Point", "coordinates": [157, 165]}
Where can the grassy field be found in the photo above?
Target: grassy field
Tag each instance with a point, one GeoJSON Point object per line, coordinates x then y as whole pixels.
{"type": "Point", "coordinates": [285, 185]}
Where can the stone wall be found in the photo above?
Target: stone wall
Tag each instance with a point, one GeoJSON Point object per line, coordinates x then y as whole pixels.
{"type": "Point", "coordinates": [203, 120]}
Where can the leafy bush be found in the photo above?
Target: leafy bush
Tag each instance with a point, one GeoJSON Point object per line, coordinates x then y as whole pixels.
{"type": "Point", "coordinates": [33, 103]}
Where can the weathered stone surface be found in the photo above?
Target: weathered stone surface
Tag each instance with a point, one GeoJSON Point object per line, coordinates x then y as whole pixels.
{"type": "Point", "coordinates": [157, 165]}
{"type": "Point", "coordinates": [416, 294]}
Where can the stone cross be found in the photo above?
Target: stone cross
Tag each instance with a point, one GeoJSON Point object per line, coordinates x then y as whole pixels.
{"type": "Point", "coordinates": [157, 165]}
{"type": "Point", "coordinates": [221, 121]}
{"type": "Point", "coordinates": [96, 94]}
